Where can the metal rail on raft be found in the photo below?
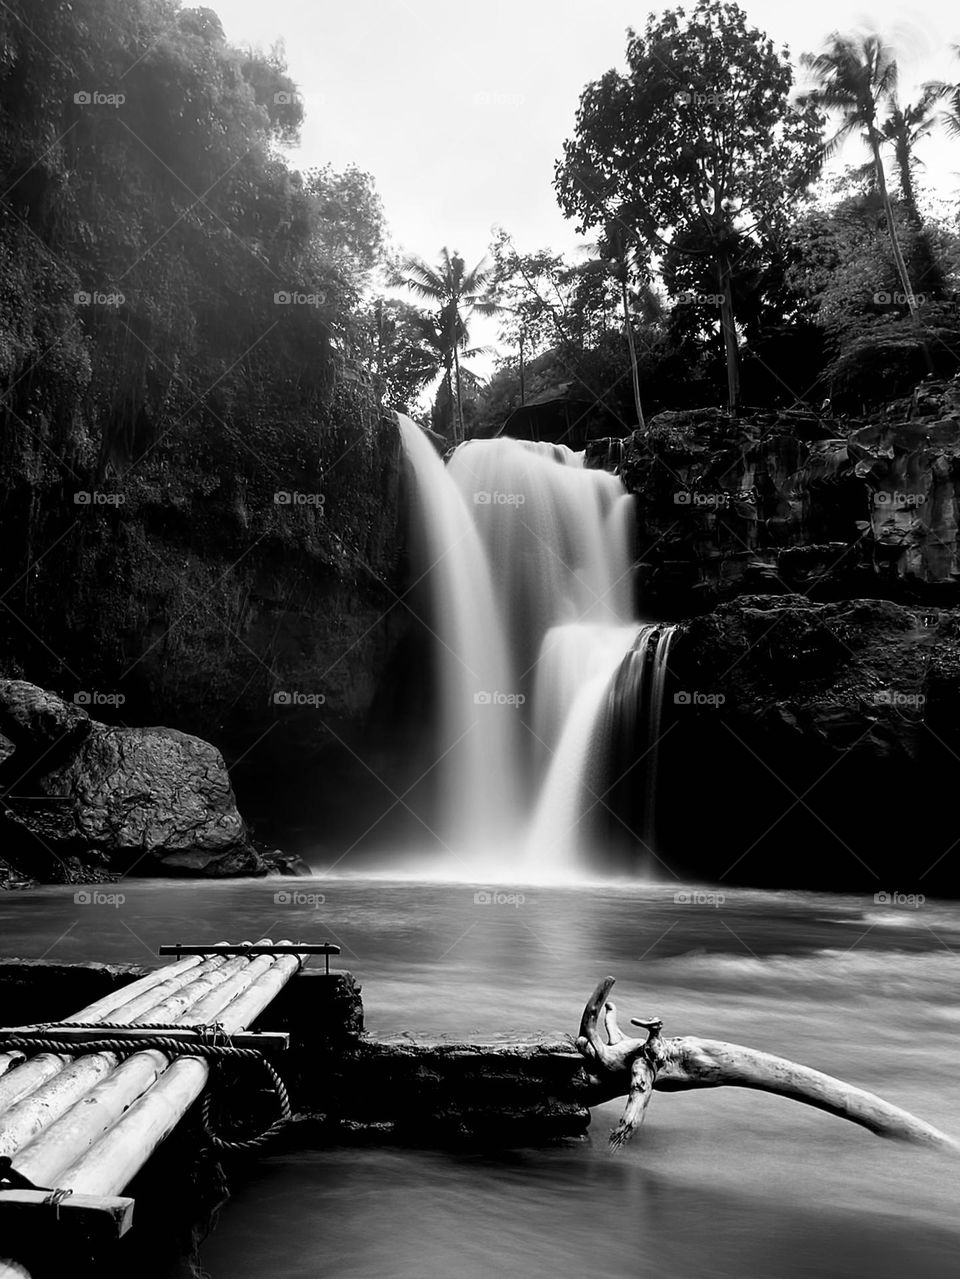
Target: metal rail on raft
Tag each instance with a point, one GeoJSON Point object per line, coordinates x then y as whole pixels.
{"type": "Point", "coordinates": [293, 948]}
{"type": "Point", "coordinates": [85, 1102]}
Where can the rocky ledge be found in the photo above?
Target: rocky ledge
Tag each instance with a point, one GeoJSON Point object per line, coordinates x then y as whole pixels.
{"type": "Point", "coordinates": [82, 800]}
{"type": "Point", "coordinates": [798, 501]}
{"type": "Point", "coordinates": [814, 745]}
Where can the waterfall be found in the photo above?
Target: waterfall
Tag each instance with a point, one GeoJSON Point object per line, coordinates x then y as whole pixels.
{"type": "Point", "coordinates": [526, 555]}
{"type": "Point", "coordinates": [475, 733]}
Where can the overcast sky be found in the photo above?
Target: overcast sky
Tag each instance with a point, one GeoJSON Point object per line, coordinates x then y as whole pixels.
{"type": "Point", "coordinates": [460, 111]}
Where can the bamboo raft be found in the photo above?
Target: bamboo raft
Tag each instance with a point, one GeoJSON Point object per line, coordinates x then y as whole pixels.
{"type": "Point", "coordinates": [77, 1126]}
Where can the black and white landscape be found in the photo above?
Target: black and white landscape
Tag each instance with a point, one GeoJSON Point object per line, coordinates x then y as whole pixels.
{"type": "Point", "coordinates": [480, 490]}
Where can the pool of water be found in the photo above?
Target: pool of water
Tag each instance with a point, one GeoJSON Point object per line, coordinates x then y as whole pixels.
{"type": "Point", "coordinates": [719, 1183]}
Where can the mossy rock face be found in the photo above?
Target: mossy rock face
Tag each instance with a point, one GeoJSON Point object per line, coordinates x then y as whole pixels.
{"type": "Point", "coordinates": [789, 502]}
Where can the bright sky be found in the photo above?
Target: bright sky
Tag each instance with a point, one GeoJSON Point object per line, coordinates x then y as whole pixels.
{"type": "Point", "coordinates": [460, 110]}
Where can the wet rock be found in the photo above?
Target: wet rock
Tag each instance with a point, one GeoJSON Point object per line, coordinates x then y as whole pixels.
{"type": "Point", "coordinates": [818, 736]}
{"type": "Point", "coordinates": [153, 799]}
{"type": "Point", "coordinates": [790, 501]}
{"type": "Point", "coordinates": [38, 721]}
{"type": "Point", "coordinates": [281, 863]}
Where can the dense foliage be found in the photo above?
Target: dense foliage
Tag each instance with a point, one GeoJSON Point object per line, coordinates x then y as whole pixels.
{"type": "Point", "coordinates": [731, 272]}
{"type": "Point", "coordinates": [178, 327]}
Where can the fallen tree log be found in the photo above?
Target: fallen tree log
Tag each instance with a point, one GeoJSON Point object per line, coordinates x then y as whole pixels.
{"type": "Point", "coordinates": [618, 1065]}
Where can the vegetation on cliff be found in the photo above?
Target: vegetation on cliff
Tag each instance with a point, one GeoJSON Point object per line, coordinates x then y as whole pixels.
{"type": "Point", "coordinates": [192, 458]}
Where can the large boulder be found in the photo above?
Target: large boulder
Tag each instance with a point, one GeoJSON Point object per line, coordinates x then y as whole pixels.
{"type": "Point", "coordinates": [150, 799]}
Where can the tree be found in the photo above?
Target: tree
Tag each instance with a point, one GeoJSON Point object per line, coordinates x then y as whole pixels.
{"type": "Point", "coordinates": [457, 294]}
{"type": "Point", "coordinates": [904, 127]}
{"type": "Point", "coordinates": [617, 247]}
{"type": "Point", "coordinates": [839, 265]}
{"type": "Point", "coordinates": [857, 79]}
{"type": "Point", "coordinates": [950, 117]}
{"type": "Point", "coordinates": [698, 135]}
{"type": "Point", "coordinates": [403, 346]}
{"type": "Point", "coordinates": [351, 228]}
{"type": "Point", "coordinates": [175, 309]}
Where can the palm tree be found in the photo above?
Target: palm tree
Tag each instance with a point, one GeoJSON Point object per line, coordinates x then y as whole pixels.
{"type": "Point", "coordinates": [904, 127]}
{"type": "Point", "coordinates": [858, 79]}
{"type": "Point", "coordinates": [949, 118]}
{"type": "Point", "coordinates": [457, 294]}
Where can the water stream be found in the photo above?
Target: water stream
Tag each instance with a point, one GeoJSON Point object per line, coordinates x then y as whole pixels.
{"type": "Point", "coordinates": [720, 1184]}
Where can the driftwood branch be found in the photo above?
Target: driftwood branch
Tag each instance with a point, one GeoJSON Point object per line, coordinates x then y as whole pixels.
{"type": "Point", "coordinates": [618, 1065]}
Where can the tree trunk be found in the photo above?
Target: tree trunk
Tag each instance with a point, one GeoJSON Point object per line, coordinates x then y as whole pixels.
{"type": "Point", "coordinates": [728, 325]}
{"type": "Point", "coordinates": [634, 372]}
{"type": "Point", "coordinates": [891, 228]}
{"type": "Point", "coordinates": [448, 383]}
{"type": "Point", "coordinates": [906, 182]}
{"type": "Point", "coordinates": [523, 398]}
{"type": "Point", "coordinates": [636, 1067]}
{"type": "Point", "coordinates": [458, 429]}
{"type": "Point", "coordinates": [897, 251]}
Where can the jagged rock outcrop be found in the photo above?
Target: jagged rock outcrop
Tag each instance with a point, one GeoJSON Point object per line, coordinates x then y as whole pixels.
{"type": "Point", "coordinates": [798, 501]}
{"type": "Point", "coordinates": [101, 799]}
{"type": "Point", "coordinates": [822, 743]}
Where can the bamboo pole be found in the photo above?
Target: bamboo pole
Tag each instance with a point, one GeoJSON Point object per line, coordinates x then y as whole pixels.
{"type": "Point", "coordinates": [125, 994]}
{"type": "Point", "coordinates": [62, 1143]}
{"type": "Point", "coordinates": [121, 1152]}
{"type": "Point", "coordinates": [63, 1086]}
{"type": "Point", "coordinates": [165, 982]}
{"type": "Point", "coordinates": [120, 1005]}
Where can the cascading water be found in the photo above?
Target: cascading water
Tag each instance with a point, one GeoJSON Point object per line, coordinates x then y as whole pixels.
{"type": "Point", "coordinates": [479, 791]}
{"type": "Point", "coordinates": [526, 554]}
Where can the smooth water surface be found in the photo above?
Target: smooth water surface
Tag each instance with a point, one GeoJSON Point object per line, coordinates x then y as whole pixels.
{"type": "Point", "coordinates": [724, 1183]}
